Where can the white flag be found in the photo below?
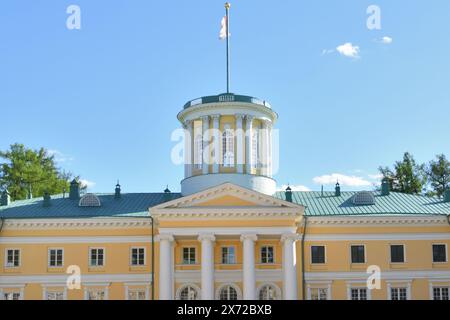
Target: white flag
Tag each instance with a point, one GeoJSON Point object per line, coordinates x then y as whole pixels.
{"type": "Point", "coordinates": [223, 29]}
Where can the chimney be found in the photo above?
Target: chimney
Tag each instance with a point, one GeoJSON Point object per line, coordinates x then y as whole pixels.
{"type": "Point", "coordinates": [337, 190]}
{"type": "Point", "coordinates": [167, 194]}
{"type": "Point", "coordinates": [447, 195]}
{"type": "Point", "coordinates": [5, 199]}
{"type": "Point", "coordinates": [74, 192]}
{"type": "Point", "coordinates": [385, 187]}
{"type": "Point", "coordinates": [288, 194]}
{"type": "Point", "coordinates": [47, 199]}
{"type": "Point", "coordinates": [117, 194]}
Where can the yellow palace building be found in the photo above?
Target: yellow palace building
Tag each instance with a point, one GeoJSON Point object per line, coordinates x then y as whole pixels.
{"type": "Point", "coordinates": [229, 234]}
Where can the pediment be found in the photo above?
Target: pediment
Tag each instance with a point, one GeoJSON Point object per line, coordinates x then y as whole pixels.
{"type": "Point", "coordinates": [227, 195]}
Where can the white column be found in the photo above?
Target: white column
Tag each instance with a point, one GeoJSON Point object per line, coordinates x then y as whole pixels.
{"type": "Point", "coordinates": [248, 144]}
{"type": "Point", "coordinates": [165, 267]}
{"type": "Point", "coordinates": [239, 143]}
{"type": "Point", "coordinates": [207, 272]}
{"type": "Point", "coordinates": [188, 142]}
{"type": "Point", "coordinates": [107, 293]}
{"type": "Point", "coordinates": [248, 266]}
{"type": "Point", "coordinates": [265, 148]}
{"type": "Point", "coordinates": [126, 293]}
{"type": "Point", "coordinates": [269, 149]}
{"type": "Point", "coordinates": [216, 144]}
{"type": "Point", "coordinates": [289, 266]}
{"type": "Point", "coordinates": [206, 154]}
{"type": "Point", "coordinates": [44, 293]}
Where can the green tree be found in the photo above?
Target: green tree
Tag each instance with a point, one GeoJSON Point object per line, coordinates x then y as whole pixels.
{"type": "Point", "coordinates": [438, 172]}
{"type": "Point", "coordinates": [407, 176]}
{"type": "Point", "coordinates": [26, 170]}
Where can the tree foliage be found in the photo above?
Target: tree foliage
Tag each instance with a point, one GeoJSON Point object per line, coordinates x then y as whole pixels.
{"type": "Point", "coordinates": [407, 176]}
{"type": "Point", "coordinates": [438, 172]}
{"type": "Point", "coordinates": [25, 170]}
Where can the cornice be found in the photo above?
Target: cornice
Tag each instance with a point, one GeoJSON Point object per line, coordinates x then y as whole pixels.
{"type": "Point", "coordinates": [346, 221]}
{"type": "Point", "coordinates": [95, 223]}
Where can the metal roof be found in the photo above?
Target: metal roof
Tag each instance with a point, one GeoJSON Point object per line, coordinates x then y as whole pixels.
{"type": "Point", "coordinates": [129, 205]}
{"type": "Point", "coordinates": [393, 204]}
{"type": "Point", "coordinates": [227, 97]}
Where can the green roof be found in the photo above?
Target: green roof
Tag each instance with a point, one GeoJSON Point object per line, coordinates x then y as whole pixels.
{"type": "Point", "coordinates": [393, 204]}
{"type": "Point", "coordinates": [129, 205]}
{"type": "Point", "coordinates": [137, 204]}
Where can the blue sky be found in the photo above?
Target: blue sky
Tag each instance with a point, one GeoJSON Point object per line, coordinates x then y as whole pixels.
{"type": "Point", "coordinates": [92, 95]}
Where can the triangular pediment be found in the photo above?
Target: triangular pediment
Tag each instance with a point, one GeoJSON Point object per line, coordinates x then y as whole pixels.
{"type": "Point", "coordinates": [227, 195]}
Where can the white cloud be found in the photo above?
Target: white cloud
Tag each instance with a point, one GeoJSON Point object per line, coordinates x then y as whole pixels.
{"type": "Point", "coordinates": [87, 183]}
{"type": "Point", "coordinates": [59, 156]}
{"type": "Point", "coordinates": [344, 180]}
{"type": "Point", "coordinates": [294, 188]}
{"type": "Point", "coordinates": [348, 50]}
{"type": "Point", "coordinates": [327, 51]}
{"type": "Point", "coordinates": [376, 176]}
{"type": "Point", "coordinates": [386, 40]}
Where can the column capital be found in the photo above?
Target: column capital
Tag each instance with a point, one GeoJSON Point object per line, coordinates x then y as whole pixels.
{"type": "Point", "coordinates": [168, 237]}
{"type": "Point", "coordinates": [215, 116]}
{"type": "Point", "coordinates": [266, 123]}
{"type": "Point", "coordinates": [206, 236]}
{"type": "Point", "coordinates": [290, 236]}
{"type": "Point", "coordinates": [249, 118]}
{"type": "Point", "coordinates": [239, 116]}
{"type": "Point", "coordinates": [204, 118]}
{"type": "Point", "coordinates": [249, 236]}
{"type": "Point", "coordinates": [187, 124]}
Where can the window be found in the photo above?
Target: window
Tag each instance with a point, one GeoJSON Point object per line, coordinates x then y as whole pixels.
{"type": "Point", "coordinates": [439, 253]}
{"type": "Point", "coordinates": [228, 293]}
{"type": "Point", "coordinates": [397, 253]}
{"type": "Point", "coordinates": [11, 295]}
{"type": "Point", "coordinates": [358, 294]}
{"type": "Point", "coordinates": [398, 294]}
{"type": "Point", "coordinates": [55, 295]}
{"type": "Point", "coordinates": [96, 295]}
{"type": "Point", "coordinates": [319, 293]}
{"type": "Point", "coordinates": [137, 256]}
{"type": "Point", "coordinates": [228, 146]}
{"type": "Point", "coordinates": [255, 148]}
{"type": "Point", "coordinates": [188, 293]}
{"type": "Point", "coordinates": [12, 258]}
{"type": "Point", "coordinates": [55, 257]}
{"type": "Point", "coordinates": [228, 255]}
{"type": "Point", "coordinates": [317, 254]}
{"type": "Point", "coordinates": [267, 292]}
{"type": "Point", "coordinates": [136, 294]}
{"type": "Point", "coordinates": [358, 255]}
{"type": "Point", "coordinates": [267, 254]}
{"type": "Point", "coordinates": [189, 255]}
{"type": "Point", "coordinates": [440, 293]}
{"type": "Point", "coordinates": [96, 257]}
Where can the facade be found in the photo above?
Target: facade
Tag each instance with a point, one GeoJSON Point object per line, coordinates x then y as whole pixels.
{"type": "Point", "coordinates": [229, 234]}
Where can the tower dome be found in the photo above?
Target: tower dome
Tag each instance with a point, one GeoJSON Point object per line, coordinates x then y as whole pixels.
{"type": "Point", "coordinates": [228, 139]}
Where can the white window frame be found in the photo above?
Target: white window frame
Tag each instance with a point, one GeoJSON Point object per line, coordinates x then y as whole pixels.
{"type": "Point", "coordinates": [235, 287]}
{"type": "Point", "coordinates": [278, 295]}
{"type": "Point", "coordinates": [6, 258]}
{"type": "Point", "coordinates": [446, 252]}
{"type": "Point", "coordinates": [390, 253]}
{"type": "Point", "coordinates": [261, 254]}
{"type": "Point", "coordinates": [398, 284]}
{"type": "Point", "coordinates": [444, 283]}
{"type": "Point", "coordinates": [97, 287]}
{"type": "Point", "coordinates": [48, 257]}
{"type": "Point", "coordinates": [365, 254]}
{"type": "Point", "coordinates": [318, 285]}
{"type": "Point", "coordinates": [182, 255]}
{"type": "Point", "coordinates": [184, 286]}
{"type": "Point", "coordinates": [5, 289]}
{"type": "Point", "coordinates": [131, 257]}
{"type": "Point", "coordinates": [221, 254]}
{"type": "Point", "coordinates": [90, 257]}
{"type": "Point", "coordinates": [325, 254]}
{"type": "Point", "coordinates": [358, 285]}
{"type": "Point", "coordinates": [145, 286]}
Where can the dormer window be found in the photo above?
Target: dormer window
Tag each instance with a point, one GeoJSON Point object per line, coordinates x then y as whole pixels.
{"type": "Point", "coordinates": [89, 200]}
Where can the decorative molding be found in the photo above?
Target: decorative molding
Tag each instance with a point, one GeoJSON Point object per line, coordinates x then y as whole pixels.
{"type": "Point", "coordinates": [372, 220]}
{"type": "Point", "coordinates": [77, 223]}
{"type": "Point", "coordinates": [57, 279]}
{"type": "Point", "coordinates": [361, 277]}
{"type": "Point", "coordinates": [276, 231]}
{"type": "Point", "coordinates": [249, 236]}
{"type": "Point", "coordinates": [206, 236]}
{"type": "Point", "coordinates": [262, 275]}
{"type": "Point", "coordinates": [377, 236]}
{"type": "Point", "coordinates": [77, 239]}
{"type": "Point", "coordinates": [165, 237]}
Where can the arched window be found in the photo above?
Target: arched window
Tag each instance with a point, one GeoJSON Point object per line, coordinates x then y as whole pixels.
{"type": "Point", "coordinates": [269, 292]}
{"type": "Point", "coordinates": [228, 292]}
{"type": "Point", "coordinates": [228, 146]}
{"type": "Point", "coordinates": [89, 200]}
{"type": "Point", "coordinates": [188, 293]}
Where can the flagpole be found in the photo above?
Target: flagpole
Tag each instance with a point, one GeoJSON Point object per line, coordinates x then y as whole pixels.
{"type": "Point", "coordinates": [227, 9]}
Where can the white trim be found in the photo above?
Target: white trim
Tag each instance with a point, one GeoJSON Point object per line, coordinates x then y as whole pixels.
{"type": "Point", "coordinates": [90, 256]}
{"type": "Point", "coordinates": [318, 285]}
{"type": "Point", "coordinates": [311, 256]}
{"type": "Point", "coordinates": [261, 275]}
{"type": "Point", "coordinates": [278, 292]}
{"type": "Point", "coordinates": [58, 279]}
{"type": "Point", "coordinates": [77, 239]}
{"type": "Point", "coordinates": [77, 223]}
{"type": "Point", "coordinates": [377, 220]}
{"type": "Point", "coordinates": [188, 284]}
{"type": "Point", "coordinates": [377, 236]}
{"type": "Point", "coordinates": [277, 231]}
{"type": "Point", "coordinates": [404, 253]}
{"type": "Point", "coordinates": [443, 275]}
{"type": "Point", "coordinates": [350, 253]}
{"type": "Point", "coordinates": [392, 284]}
{"type": "Point", "coordinates": [274, 254]}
